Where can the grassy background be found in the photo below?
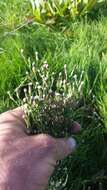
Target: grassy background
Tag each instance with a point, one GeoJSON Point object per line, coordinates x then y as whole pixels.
{"type": "Point", "coordinates": [83, 46]}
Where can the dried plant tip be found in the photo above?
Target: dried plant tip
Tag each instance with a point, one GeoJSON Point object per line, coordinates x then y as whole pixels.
{"type": "Point", "coordinates": [43, 95]}
{"type": "Point", "coordinates": [24, 100]}
{"type": "Point", "coordinates": [39, 87]}
{"type": "Point", "coordinates": [53, 106]}
{"type": "Point", "coordinates": [60, 74]}
{"type": "Point", "coordinates": [57, 94]}
{"type": "Point", "coordinates": [65, 66]}
{"type": "Point", "coordinates": [45, 89]}
{"type": "Point", "coordinates": [33, 69]}
{"type": "Point", "coordinates": [33, 64]}
{"type": "Point", "coordinates": [36, 97]}
{"type": "Point", "coordinates": [30, 84]}
{"type": "Point", "coordinates": [45, 62]}
{"type": "Point", "coordinates": [8, 92]}
{"type": "Point", "coordinates": [37, 83]}
{"type": "Point", "coordinates": [33, 103]}
{"type": "Point", "coordinates": [75, 77]}
{"type": "Point", "coordinates": [27, 72]}
{"type": "Point", "coordinates": [25, 90]}
{"type": "Point", "coordinates": [32, 97]}
{"type": "Point", "coordinates": [29, 60]}
{"type": "Point", "coordinates": [45, 65]}
{"type": "Point", "coordinates": [36, 56]}
{"type": "Point", "coordinates": [45, 79]}
{"type": "Point", "coordinates": [50, 91]}
{"type": "Point", "coordinates": [64, 81]}
{"type": "Point", "coordinates": [25, 111]}
{"type": "Point", "coordinates": [100, 186]}
{"type": "Point", "coordinates": [38, 71]}
{"type": "Point", "coordinates": [22, 51]}
{"type": "Point", "coordinates": [17, 93]}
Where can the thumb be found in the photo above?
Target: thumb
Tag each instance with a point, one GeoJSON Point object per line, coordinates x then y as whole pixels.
{"type": "Point", "coordinates": [64, 147]}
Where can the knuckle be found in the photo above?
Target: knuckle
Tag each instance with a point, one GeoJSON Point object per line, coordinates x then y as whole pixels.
{"type": "Point", "coordinates": [48, 140]}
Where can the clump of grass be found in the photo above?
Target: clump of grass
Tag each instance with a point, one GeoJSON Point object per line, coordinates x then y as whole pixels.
{"type": "Point", "coordinates": [13, 14]}
{"type": "Point", "coordinates": [50, 98]}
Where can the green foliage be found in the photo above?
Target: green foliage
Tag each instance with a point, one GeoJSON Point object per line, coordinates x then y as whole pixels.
{"type": "Point", "coordinates": [82, 47]}
{"type": "Point", "coordinates": [51, 11]}
{"type": "Point", "coordinates": [14, 15]}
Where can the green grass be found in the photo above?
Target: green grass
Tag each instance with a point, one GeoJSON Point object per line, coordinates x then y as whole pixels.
{"type": "Point", "coordinates": [83, 47]}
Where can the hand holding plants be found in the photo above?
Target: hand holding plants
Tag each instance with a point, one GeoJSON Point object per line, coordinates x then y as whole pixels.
{"type": "Point", "coordinates": [27, 162]}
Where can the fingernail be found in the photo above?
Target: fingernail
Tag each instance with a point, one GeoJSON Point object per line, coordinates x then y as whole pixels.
{"type": "Point", "coordinates": [72, 143]}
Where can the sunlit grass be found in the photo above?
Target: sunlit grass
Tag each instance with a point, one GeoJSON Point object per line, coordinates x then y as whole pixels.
{"type": "Point", "coordinates": [83, 47]}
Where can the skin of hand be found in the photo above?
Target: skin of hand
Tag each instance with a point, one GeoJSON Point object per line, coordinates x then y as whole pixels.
{"type": "Point", "coordinates": [27, 162]}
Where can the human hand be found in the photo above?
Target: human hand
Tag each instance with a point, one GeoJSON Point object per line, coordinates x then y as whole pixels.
{"type": "Point", "coordinates": [27, 162]}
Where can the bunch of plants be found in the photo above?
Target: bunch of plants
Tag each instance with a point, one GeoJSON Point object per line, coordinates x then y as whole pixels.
{"type": "Point", "coordinates": [52, 102]}
{"type": "Point", "coordinates": [51, 12]}
{"type": "Point", "coordinates": [50, 98]}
